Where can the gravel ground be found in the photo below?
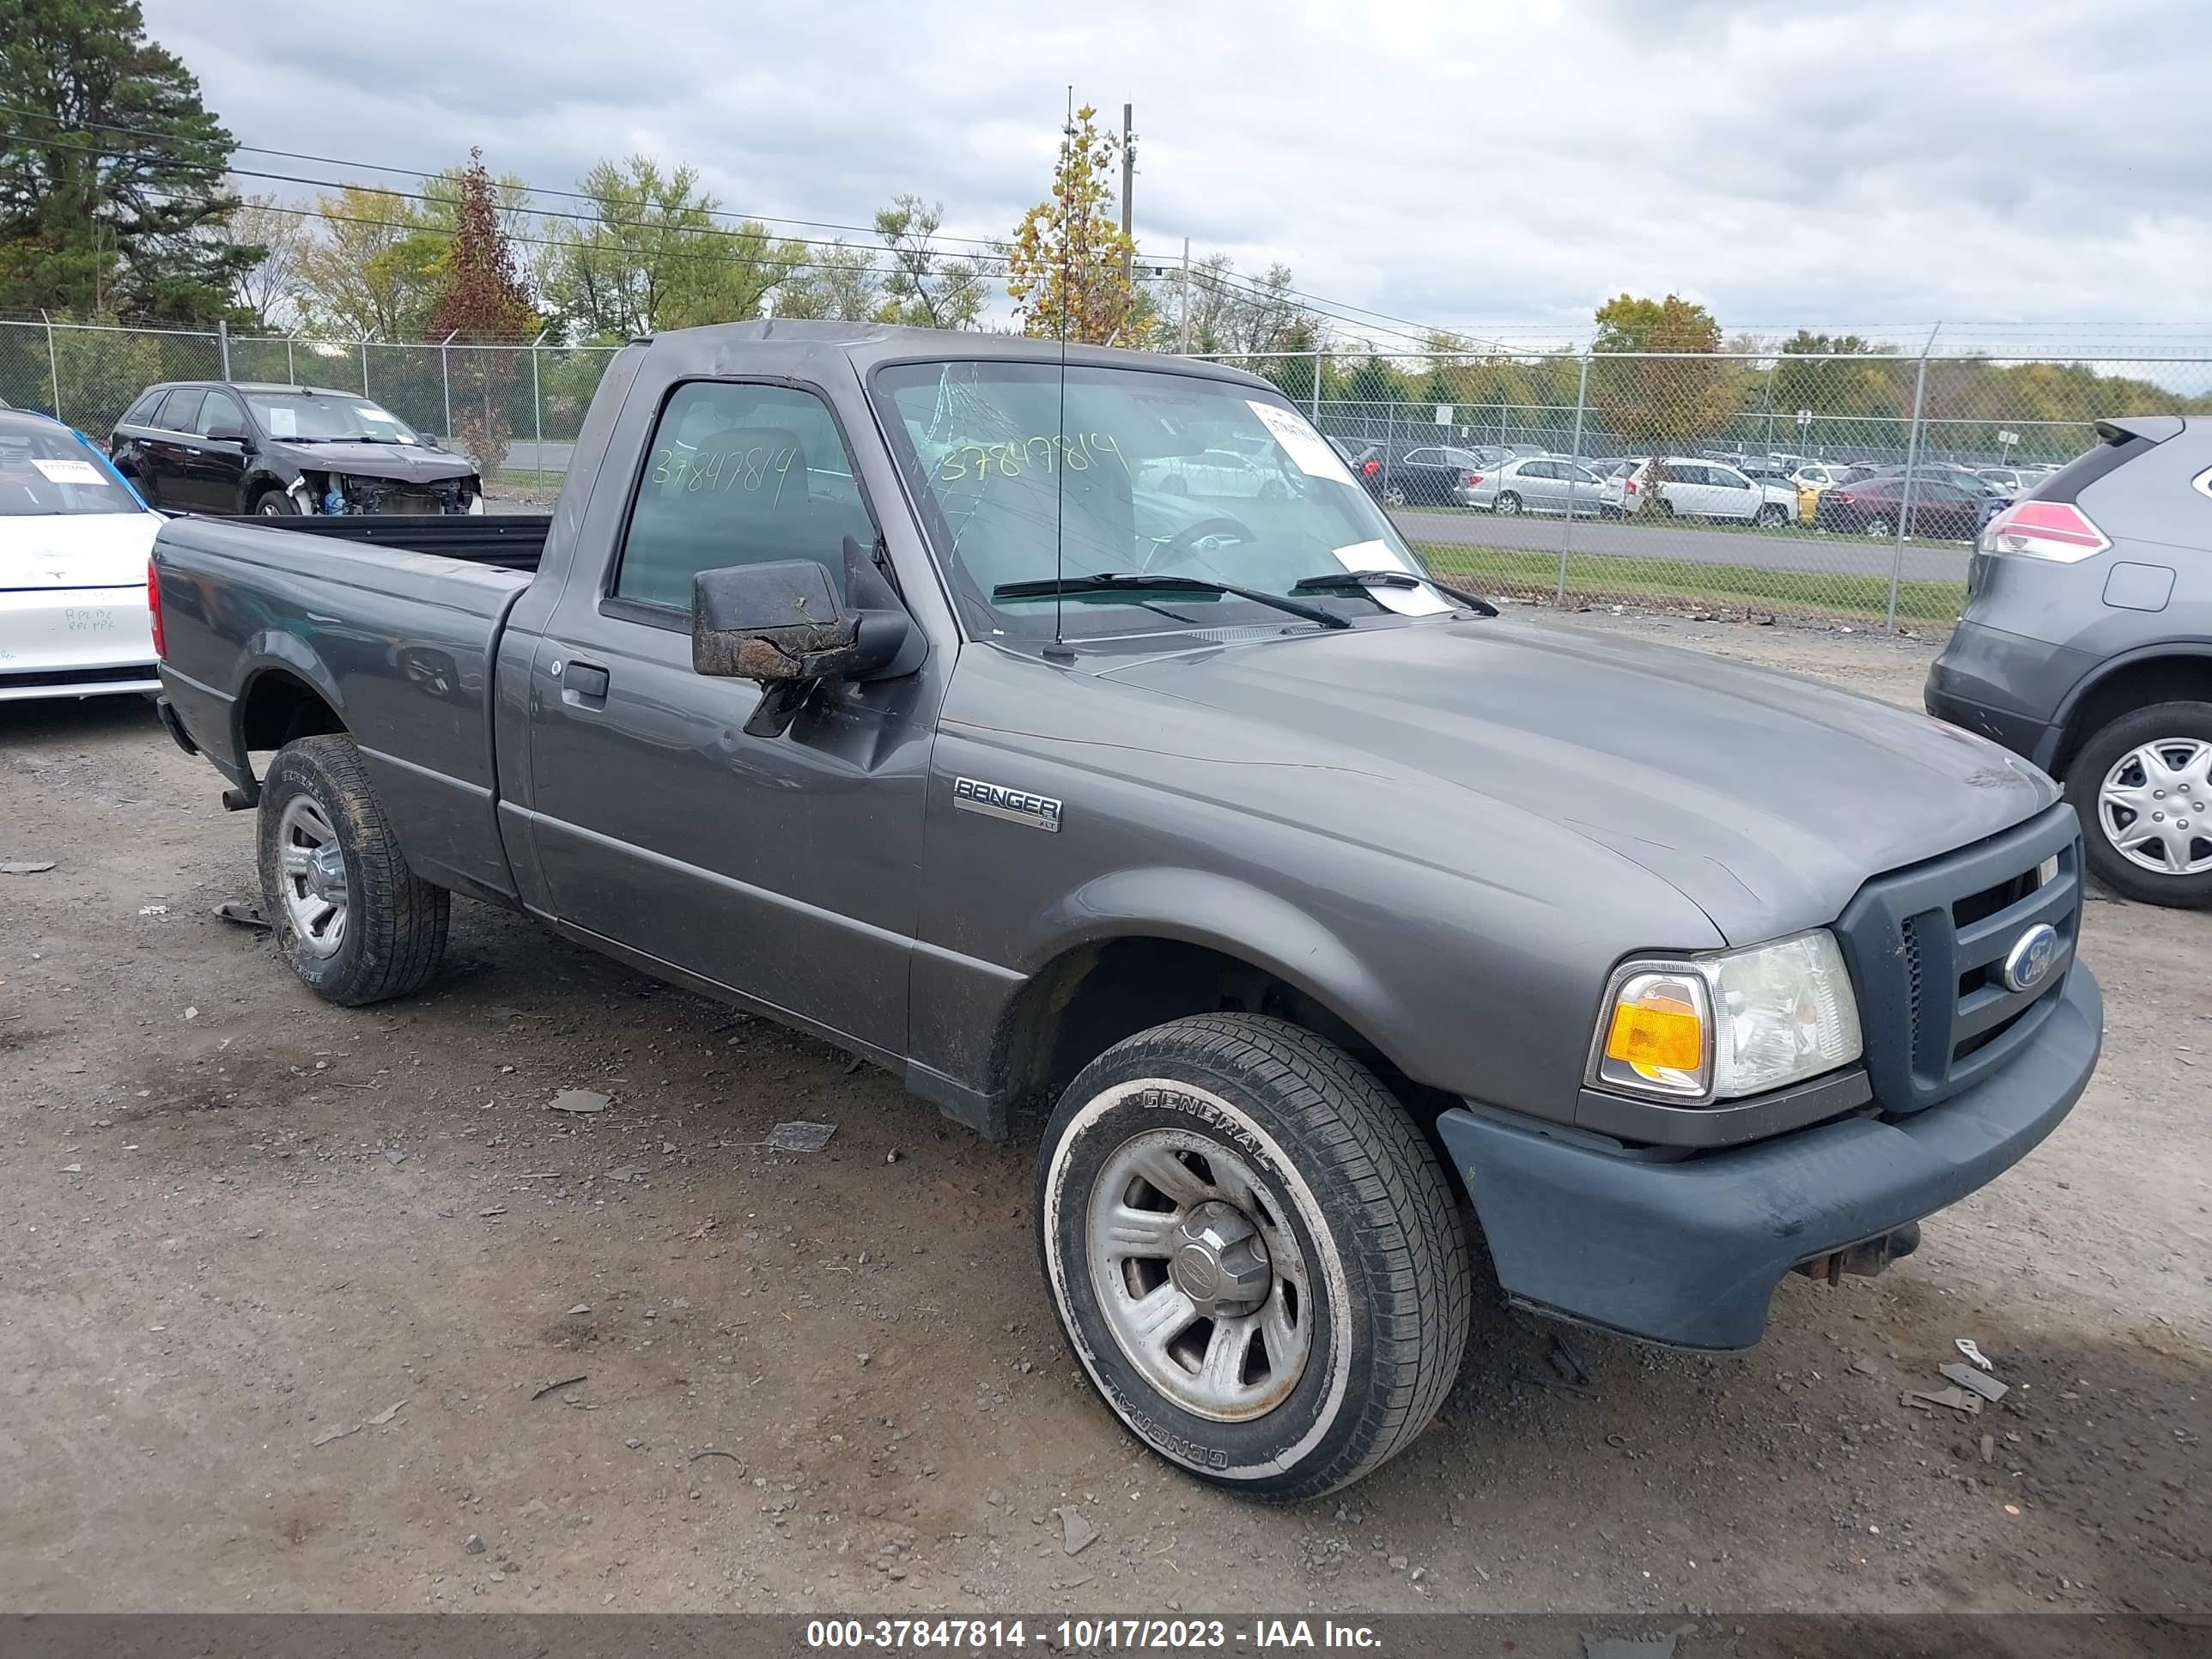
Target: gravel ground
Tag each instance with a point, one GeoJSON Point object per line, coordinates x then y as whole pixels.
{"type": "Point", "coordinates": [308, 1308]}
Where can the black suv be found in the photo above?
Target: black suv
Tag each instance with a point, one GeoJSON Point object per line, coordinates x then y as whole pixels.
{"type": "Point", "coordinates": [2087, 646]}
{"type": "Point", "coordinates": [225, 447]}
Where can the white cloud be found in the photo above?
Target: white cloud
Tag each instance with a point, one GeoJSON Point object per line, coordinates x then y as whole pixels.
{"type": "Point", "coordinates": [2027, 162]}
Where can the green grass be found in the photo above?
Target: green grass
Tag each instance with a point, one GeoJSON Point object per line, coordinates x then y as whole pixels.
{"type": "Point", "coordinates": [1604, 576]}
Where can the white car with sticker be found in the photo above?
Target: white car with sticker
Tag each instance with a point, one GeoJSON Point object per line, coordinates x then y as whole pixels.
{"type": "Point", "coordinates": [74, 542]}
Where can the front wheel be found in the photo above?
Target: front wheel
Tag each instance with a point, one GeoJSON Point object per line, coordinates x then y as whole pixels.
{"type": "Point", "coordinates": [276, 504]}
{"type": "Point", "coordinates": [352, 920]}
{"type": "Point", "coordinates": [2142, 788]}
{"type": "Point", "coordinates": [1254, 1253]}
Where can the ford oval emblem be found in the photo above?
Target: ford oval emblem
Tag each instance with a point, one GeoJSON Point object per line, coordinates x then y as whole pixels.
{"type": "Point", "coordinates": [2029, 961]}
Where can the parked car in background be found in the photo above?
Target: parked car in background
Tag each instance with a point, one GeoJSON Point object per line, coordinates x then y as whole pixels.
{"type": "Point", "coordinates": [74, 542]}
{"type": "Point", "coordinates": [2010, 479]}
{"type": "Point", "coordinates": [234, 448]}
{"type": "Point", "coordinates": [1544, 483]}
{"type": "Point", "coordinates": [1700, 489]}
{"type": "Point", "coordinates": [2087, 646]}
{"type": "Point", "coordinates": [1215, 473]}
{"type": "Point", "coordinates": [1815, 474]}
{"type": "Point", "coordinates": [1941, 510]}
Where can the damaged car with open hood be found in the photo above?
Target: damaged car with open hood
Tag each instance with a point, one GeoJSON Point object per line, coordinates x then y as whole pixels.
{"type": "Point", "coordinates": [277, 451]}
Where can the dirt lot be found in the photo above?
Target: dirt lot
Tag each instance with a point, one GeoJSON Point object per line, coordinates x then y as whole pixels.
{"type": "Point", "coordinates": [282, 1289]}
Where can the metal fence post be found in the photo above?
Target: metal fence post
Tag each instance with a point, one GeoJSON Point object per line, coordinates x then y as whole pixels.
{"type": "Point", "coordinates": [53, 364]}
{"type": "Point", "coordinates": [1319, 356]}
{"type": "Point", "coordinates": [537, 406]}
{"type": "Point", "coordinates": [1567, 530]}
{"type": "Point", "coordinates": [291, 368]}
{"type": "Point", "coordinates": [445, 373]}
{"type": "Point", "coordinates": [222, 344]}
{"type": "Point", "coordinates": [1905, 494]}
{"type": "Point", "coordinates": [364, 365]}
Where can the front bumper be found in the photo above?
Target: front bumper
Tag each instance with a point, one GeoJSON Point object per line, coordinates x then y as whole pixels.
{"type": "Point", "coordinates": [1688, 1253]}
{"type": "Point", "coordinates": [74, 642]}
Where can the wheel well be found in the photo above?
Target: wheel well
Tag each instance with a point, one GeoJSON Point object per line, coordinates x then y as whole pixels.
{"type": "Point", "coordinates": [1093, 997]}
{"type": "Point", "coordinates": [2137, 685]}
{"type": "Point", "coordinates": [280, 707]}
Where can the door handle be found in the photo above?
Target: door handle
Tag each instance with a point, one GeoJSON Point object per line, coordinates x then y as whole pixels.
{"type": "Point", "coordinates": [584, 683]}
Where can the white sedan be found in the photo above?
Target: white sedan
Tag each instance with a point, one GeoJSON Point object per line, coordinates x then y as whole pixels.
{"type": "Point", "coordinates": [74, 542]}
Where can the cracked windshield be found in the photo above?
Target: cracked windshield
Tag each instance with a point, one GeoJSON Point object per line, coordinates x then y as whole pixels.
{"type": "Point", "coordinates": [1134, 474]}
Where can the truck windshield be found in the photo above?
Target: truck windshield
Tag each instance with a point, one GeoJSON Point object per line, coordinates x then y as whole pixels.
{"type": "Point", "coordinates": [1130, 472]}
{"type": "Point", "coordinates": [293, 415]}
{"type": "Point", "coordinates": [45, 470]}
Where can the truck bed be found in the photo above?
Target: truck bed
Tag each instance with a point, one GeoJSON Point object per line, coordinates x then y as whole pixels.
{"type": "Point", "coordinates": [509, 541]}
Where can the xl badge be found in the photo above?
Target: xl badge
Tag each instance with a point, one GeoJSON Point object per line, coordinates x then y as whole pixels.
{"type": "Point", "coordinates": [995, 801]}
{"type": "Point", "coordinates": [2031, 956]}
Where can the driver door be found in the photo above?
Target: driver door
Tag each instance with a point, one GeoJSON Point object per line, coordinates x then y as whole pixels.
{"type": "Point", "coordinates": [786, 868]}
{"type": "Point", "coordinates": [213, 468]}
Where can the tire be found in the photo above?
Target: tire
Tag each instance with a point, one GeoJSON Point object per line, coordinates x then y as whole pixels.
{"type": "Point", "coordinates": [1507, 505]}
{"type": "Point", "coordinates": [1769, 517]}
{"type": "Point", "coordinates": [1878, 527]}
{"type": "Point", "coordinates": [1348, 1199]}
{"type": "Point", "coordinates": [387, 934]}
{"type": "Point", "coordinates": [2113, 758]}
{"type": "Point", "coordinates": [276, 504]}
{"type": "Point", "coordinates": [1394, 496]}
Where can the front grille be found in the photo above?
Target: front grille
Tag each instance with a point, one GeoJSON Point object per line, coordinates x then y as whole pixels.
{"type": "Point", "coordinates": [1926, 947]}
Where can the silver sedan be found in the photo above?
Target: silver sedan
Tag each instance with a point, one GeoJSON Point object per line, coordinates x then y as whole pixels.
{"type": "Point", "coordinates": [1540, 484]}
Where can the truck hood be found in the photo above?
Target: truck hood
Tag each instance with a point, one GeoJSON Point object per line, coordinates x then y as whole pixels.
{"type": "Point", "coordinates": [76, 549]}
{"type": "Point", "coordinates": [1764, 799]}
{"type": "Point", "coordinates": [401, 463]}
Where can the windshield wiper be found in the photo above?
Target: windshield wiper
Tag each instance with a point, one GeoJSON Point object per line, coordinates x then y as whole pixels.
{"type": "Point", "coordinates": [1113, 581]}
{"type": "Point", "coordinates": [1357, 582]}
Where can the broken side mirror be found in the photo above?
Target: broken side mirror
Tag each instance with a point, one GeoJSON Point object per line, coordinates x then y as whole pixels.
{"type": "Point", "coordinates": [783, 625]}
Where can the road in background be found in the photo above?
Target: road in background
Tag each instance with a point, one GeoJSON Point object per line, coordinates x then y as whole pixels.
{"type": "Point", "coordinates": [1814, 554]}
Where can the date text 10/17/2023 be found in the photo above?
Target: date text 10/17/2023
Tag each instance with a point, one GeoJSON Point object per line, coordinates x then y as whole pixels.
{"type": "Point", "coordinates": [1128, 1634]}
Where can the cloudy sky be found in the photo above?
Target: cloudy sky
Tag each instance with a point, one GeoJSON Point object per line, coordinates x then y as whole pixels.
{"type": "Point", "coordinates": [2022, 169]}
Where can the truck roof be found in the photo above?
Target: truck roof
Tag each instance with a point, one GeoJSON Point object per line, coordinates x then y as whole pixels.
{"type": "Point", "coordinates": [868, 344]}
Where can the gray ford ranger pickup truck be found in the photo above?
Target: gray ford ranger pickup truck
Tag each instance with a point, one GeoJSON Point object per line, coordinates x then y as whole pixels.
{"type": "Point", "coordinates": [1074, 728]}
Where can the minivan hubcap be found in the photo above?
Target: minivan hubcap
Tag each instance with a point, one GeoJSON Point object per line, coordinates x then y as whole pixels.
{"type": "Point", "coordinates": [2155, 806]}
{"type": "Point", "coordinates": [1202, 1281]}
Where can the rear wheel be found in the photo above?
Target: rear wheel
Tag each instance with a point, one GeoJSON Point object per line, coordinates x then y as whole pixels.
{"type": "Point", "coordinates": [1878, 527]}
{"type": "Point", "coordinates": [353, 922]}
{"type": "Point", "coordinates": [1508, 504]}
{"type": "Point", "coordinates": [1394, 496]}
{"type": "Point", "coordinates": [1254, 1253]}
{"type": "Point", "coordinates": [1771, 517]}
{"type": "Point", "coordinates": [2142, 788]}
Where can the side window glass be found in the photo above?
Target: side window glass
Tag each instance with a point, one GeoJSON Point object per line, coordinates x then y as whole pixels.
{"type": "Point", "coordinates": [220, 410]}
{"type": "Point", "coordinates": [181, 409]}
{"type": "Point", "coordinates": [740, 473]}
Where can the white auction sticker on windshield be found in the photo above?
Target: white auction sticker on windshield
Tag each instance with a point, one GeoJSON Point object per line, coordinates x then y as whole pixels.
{"type": "Point", "coordinates": [1406, 601]}
{"type": "Point", "coordinates": [69, 472]}
{"type": "Point", "coordinates": [371, 412]}
{"type": "Point", "coordinates": [1301, 442]}
{"type": "Point", "coordinates": [282, 423]}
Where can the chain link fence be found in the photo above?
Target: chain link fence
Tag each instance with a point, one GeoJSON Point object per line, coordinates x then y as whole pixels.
{"type": "Point", "coordinates": [518, 406]}
{"type": "Point", "coordinates": [1847, 485]}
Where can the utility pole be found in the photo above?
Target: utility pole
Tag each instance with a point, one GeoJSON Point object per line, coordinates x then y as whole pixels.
{"type": "Point", "coordinates": [1128, 179]}
{"type": "Point", "coordinates": [1182, 344]}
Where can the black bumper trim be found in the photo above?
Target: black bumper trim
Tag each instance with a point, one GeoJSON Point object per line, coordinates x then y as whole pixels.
{"type": "Point", "coordinates": [1688, 1253]}
{"type": "Point", "coordinates": [174, 724]}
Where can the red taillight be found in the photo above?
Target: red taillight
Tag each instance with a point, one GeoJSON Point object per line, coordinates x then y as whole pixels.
{"type": "Point", "coordinates": [154, 608]}
{"type": "Point", "coordinates": [1370, 468]}
{"type": "Point", "coordinates": [1845, 497]}
{"type": "Point", "coordinates": [1472, 479]}
{"type": "Point", "coordinates": [2045, 530]}
{"type": "Point", "coordinates": [1630, 486]}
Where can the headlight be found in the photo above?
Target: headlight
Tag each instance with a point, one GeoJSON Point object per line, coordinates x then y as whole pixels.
{"type": "Point", "coordinates": [1723, 1026]}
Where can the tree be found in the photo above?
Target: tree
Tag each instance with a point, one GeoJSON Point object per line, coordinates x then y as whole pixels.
{"type": "Point", "coordinates": [1663, 402]}
{"type": "Point", "coordinates": [481, 302]}
{"type": "Point", "coordinates": [652, 256]}
{"type": "Point", "coordinates": [923, 288]}
{"type": "Point", "coordinates": [1067, 268]}
{"type": "Point", "coordinates": [838, 281]}
{"type": "Point", "coordinates": [370, 270]}
{"type": "Point", "coordinates": [268, 291]}
{"type": "Point", "coordinates": [112, 172]}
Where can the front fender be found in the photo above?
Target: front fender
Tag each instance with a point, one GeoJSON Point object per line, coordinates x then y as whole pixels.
{"type": "Point", "coordinates": [1194, 906]}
